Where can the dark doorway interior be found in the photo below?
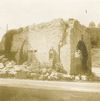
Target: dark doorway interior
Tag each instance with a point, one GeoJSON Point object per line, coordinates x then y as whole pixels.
{"type": "Point", "coordinates": [84, 55]}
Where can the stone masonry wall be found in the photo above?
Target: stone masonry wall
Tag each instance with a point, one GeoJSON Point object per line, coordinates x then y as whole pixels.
{"type": "Point", "coordinates": [35, 43]}
{"type": "Point", "coordinates": [46, 36]}
{"type": "Point", "coordinates": [76, 32]}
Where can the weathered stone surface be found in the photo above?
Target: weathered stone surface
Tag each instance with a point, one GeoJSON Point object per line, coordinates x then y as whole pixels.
{"type": "Point", "coordinates": [1, 65]}
{"type": "Point", "coordinates": [41, 44]}
{"type": "Point", "coordinates": [96, 57]}
{"type": "Point", "coordinates": [76, 32]}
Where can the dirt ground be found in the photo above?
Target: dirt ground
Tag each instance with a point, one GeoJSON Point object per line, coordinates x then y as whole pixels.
{"type": "Point", "coordinates": [25, 94]}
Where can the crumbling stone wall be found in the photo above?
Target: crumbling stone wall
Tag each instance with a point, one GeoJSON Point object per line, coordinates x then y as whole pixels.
{"type": "Point", "coordinates": [33, 43]}
{"type": "Point", "coordinates": [44, 37]}
{"type": "Point", "coordinates": [14, 44]}
{"type": "Point", "coordinates": [77, 30]}
{"type": "Point", "coordinates": [20, 47]}
{"type": "Point", "coordinates": [95, 42]}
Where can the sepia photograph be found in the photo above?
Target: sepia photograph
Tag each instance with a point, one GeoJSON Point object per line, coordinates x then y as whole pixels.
{"type": "Point", "coordinates": [49, 50]}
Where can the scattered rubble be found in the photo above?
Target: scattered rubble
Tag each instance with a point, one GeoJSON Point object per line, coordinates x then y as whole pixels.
{"type": "Point", "coordinates": [9, 69]}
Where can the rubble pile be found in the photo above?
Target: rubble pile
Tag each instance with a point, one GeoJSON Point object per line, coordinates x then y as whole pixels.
{"type": "Point", "coordinates": [9, 69]}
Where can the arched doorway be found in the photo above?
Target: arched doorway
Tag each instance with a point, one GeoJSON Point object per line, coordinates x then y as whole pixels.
{"type": "Point", "coordinates": [83, 57]}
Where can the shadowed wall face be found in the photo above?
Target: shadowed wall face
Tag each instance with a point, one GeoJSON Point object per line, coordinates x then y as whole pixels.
{"type": "Point", "coordinates": [84, 45]}
{"type": "Point", "coordinates": [83, 56]}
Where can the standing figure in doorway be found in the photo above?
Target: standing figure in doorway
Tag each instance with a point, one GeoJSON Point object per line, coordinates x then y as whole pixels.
{"type": "Point", "coordinates": [84, 56]}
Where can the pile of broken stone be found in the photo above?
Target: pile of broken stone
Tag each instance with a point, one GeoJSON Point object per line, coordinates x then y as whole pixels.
{"type": "Point", "coordinates": [9, 69]}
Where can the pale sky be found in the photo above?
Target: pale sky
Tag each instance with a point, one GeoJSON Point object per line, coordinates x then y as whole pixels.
{"type": "Point", "coordinates": [18, 13]}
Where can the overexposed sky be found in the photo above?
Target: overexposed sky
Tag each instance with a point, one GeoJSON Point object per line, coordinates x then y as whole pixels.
{"type": "Point", "coordinates": [18, 13]}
